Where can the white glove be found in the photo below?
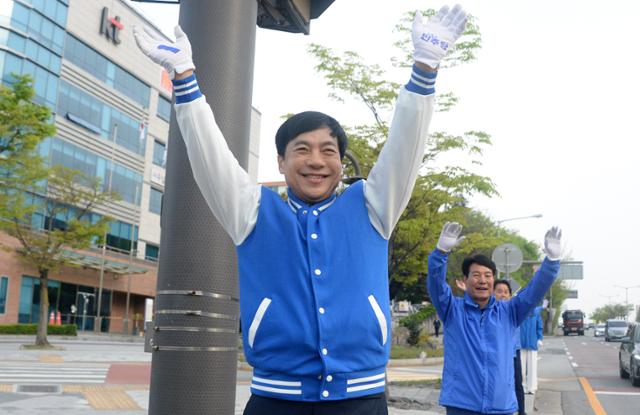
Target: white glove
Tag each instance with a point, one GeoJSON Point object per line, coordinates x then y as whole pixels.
{"type": "Point", "coordinates": [175, 57]}
{"type": "Point", "coordinates": [552, 243]}
{"type": "Point", "coordinates": [450, 236]}
{"type": "Point", "coordinates": [431, 41]}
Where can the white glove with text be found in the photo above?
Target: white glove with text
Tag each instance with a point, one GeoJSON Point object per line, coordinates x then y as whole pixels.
{"type": "Point", "coordinates": [432, 40]}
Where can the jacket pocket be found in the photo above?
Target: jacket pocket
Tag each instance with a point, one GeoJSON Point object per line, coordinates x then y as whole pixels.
{"type": "Point", "coordinates": [257, 318]}
{"type": "Point", "coordinates": [382, 321]}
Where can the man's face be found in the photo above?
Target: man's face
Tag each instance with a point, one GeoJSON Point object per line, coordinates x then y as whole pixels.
{"type": "Point", "coordinates": [480, 283]}
{"type": "Point", "coordinates": [501, 291]}
{"type": "Point", "coordinates": [311, 165]}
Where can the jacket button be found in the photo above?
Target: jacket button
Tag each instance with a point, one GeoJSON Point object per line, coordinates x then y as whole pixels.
{"type": "Point", "coordinates": [315, 213]}
{"type": "Point", "coordinates": [325, 351]}
{"type": "Point", "coordinates": [314, 236]}
{"type": "Point", "coordinates": [317, 271]}
{"type": "Point", "coordinates": [321, 310]}
{"type": "Point", "coordinates": [325, 394]}
{"type": "Point", "coordinates": [329, 378]}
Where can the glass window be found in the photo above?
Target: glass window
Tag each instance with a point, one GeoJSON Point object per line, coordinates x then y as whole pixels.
{"type": "Point", "coordinates": [4, 285]}
{"type": "Point", "coordinates": [87, 111]}
{"type": "Point", "coordinates": [127, 183]}
{"type": "Point", "coordinates": [93, 62]}
{"type": "Point", "coordinates": [164, 108]}
{"type": "Point", "coordinates": [20, 17]}
{"type": "Point", "coordinates": [151, 252]}
{"type": "Point", "coordinates": [155, 201]}
{"type": "Point", "coordinates": [159, 153]}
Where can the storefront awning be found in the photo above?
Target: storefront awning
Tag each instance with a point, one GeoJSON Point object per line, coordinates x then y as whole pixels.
{"type": "Point", "coordinates": [95, 262]}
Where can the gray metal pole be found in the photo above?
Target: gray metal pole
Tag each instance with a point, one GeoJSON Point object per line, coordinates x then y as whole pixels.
{"type": "Point", "coordinates": [195, 338]}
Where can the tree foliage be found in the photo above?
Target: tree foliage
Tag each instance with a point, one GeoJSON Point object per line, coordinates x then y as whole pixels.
{"type": "Point", "coordinates": [64, 197]}
{"type": "Point", "coordinates": [609, 311]}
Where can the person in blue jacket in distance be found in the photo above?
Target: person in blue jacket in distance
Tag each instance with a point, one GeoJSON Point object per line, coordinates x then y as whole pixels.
{"type": "Point", "coordinates": [478, 376]}
{"type": "Point", "coordinates": [502, 291]}
{"type": "Point", "coordinates": [531, 339]}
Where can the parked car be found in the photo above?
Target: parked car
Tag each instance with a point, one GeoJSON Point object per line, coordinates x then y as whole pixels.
{"type": "Point", "coordinates": [615, 330]}
{"type": "Point", "coordinates": [599, 330]}
{"type": "Point", "coordinates": [629, 355]}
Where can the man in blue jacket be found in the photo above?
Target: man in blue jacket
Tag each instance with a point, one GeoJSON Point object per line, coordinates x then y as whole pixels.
{"type": "Point", "coordinates": [530, 339]}
{"type": "Point", "coordinates": [478, 362]}
{"type": "Point", "coordinates": [313, 269]}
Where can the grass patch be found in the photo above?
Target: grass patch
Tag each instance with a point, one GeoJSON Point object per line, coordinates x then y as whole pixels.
{"type": "Point", "coordinates": [412, 352]}
{"type": "Point", "coordinates": [426, 383]}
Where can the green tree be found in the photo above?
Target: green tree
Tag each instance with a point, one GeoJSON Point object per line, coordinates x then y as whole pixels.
{"type": "Point", "coordinates": [441, 192]}
{"type": "Point", "coordinates": [23, 125]}
{"type": "Point", "coordinates": [63, 196]}
{"type": "Point", "coordinates": [609, 311]}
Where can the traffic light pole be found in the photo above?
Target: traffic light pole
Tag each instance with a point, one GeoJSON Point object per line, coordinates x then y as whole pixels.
{"type": "Point", "coordinates": [195, 341]}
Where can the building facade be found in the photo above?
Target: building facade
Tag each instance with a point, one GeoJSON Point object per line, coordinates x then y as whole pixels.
{"type": "Point", "coordinates": [112, 110]}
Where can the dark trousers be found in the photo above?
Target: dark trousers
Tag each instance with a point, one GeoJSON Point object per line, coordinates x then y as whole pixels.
{"type": "Point", "coordinates": [366, 405]}
{"type": "Point", "coordinates": [517, 370]}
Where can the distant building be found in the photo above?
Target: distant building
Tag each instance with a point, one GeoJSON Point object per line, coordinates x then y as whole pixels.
{"type": "Point", "coordinates": [88, 69]}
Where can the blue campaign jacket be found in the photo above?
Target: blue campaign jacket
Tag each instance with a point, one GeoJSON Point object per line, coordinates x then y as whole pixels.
{"type": "Point", "coordinates": [531, 330]}
{"type": "Point", "coordinates": [315, 299]}
{"type": "Point", "coordinates": [478, 344]}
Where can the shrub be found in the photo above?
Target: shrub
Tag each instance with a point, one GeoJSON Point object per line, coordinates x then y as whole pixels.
{"type": "Point", "coordinates": [62, 330]}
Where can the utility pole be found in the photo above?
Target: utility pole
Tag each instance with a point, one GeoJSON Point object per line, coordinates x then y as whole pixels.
{"type": "Point", "coordinates": [626, 297]}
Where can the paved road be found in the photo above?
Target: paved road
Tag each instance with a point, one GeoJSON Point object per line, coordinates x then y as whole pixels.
{"type": "Point", "coordinates": [597, 361]}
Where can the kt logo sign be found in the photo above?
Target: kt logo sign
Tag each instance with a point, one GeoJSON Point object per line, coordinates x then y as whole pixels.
{"type": "Point", "coordinates": [110, 26]}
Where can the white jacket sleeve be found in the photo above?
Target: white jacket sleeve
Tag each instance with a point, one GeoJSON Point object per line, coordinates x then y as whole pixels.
{"type": "Point", "coordinates": [391, 180]}
{"type": "Point", "coordinates": [228, 190]}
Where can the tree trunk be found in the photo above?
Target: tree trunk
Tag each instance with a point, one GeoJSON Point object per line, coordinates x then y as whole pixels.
{"type": "Point", "coordinates": [41, 334]}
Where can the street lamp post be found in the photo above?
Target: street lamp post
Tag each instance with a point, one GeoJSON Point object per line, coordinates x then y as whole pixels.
{"type": "Point", "coordinates": [537, 215]}
{"type": "Point", "coordinates": [608, 297]}
{"type": "Point", "coordinates": [626, 296]}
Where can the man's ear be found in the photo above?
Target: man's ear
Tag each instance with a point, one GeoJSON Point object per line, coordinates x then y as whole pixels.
{"type": "Point", "coordinates": [281, 164]}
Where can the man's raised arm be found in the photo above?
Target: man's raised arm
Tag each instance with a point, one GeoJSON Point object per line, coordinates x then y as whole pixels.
{"type": "Point", "coordinates": [541, 282]}
{"type": "Point", "coordinates": [439, 291]}
{"type": "Point", "coordinates": [231, 195]}
{"type": "Point", "coordinates": [391, 180]}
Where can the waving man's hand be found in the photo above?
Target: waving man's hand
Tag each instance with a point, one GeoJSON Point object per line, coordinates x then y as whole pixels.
{"type": "Point", "coordinates": [174, 57]}
{"type": "Point", "coordinates": [433, 39]}
{"type": "Point", "coordinates": [450, 236]}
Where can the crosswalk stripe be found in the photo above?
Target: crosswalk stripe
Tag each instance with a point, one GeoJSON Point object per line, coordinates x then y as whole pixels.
{"type": "Point", "coordinates": [41, 373]}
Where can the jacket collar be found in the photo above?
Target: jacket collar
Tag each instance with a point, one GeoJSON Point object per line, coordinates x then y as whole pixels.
{"type": "Point", "coordinates": [296, 204]}
{"type": "Point", "coordinates": [469, 301]}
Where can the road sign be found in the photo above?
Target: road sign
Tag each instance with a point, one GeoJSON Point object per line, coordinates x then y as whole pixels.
{"type": "Point", "coordinates": [572, 293]}
{"type": "Point", "coordinates": [570, 270]}
{"type": "Point", "coordinates": [507, 257]}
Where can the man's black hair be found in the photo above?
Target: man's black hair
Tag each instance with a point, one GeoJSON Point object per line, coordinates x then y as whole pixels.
{"type": "Point", "coordinates": [309, 121]}
{"type": "Point", "coordinates": [480, 260]}
{"type": "Point", "coordinates": [505, 282]}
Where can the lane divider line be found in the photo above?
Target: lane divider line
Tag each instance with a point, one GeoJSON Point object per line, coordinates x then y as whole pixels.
{"type": "Point", "coordinates": [593, 400]}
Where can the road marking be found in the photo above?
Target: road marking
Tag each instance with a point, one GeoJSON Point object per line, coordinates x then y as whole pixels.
{"type": "Point", "coordinates": [584, 344]}
{"type": "Point", "coordinates": [570, 357]}
{"type": "Point", "coordinates": [593, 400]}
{"type": "Point", "coordinates": [617, 393]}
{"type": "Point", "coordinates": [574, 364]}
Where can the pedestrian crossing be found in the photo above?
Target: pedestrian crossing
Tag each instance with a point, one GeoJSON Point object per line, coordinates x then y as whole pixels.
{"type": "Point", "coordinates": [64, 373]}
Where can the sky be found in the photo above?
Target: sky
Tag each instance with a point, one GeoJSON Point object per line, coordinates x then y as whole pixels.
{"type": "Point", "coordinates": [555, 85]}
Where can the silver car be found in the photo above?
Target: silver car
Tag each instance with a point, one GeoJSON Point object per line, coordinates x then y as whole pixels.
{"type": "Point", "coordinates": [598, 330]}
{"type": "Point", "coordinates": [615, 330]}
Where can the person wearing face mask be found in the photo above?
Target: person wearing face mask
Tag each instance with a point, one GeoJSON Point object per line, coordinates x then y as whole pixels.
{"type": "Point", "coordinates": [478, 375]}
